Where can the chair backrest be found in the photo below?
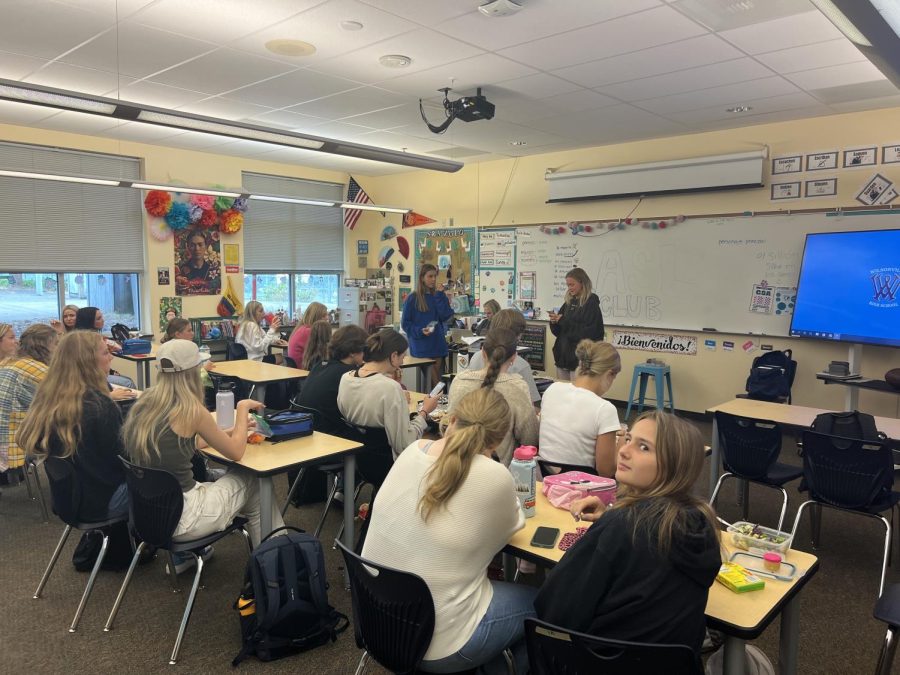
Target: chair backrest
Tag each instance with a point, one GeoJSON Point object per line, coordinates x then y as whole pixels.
{"type": "Point", "coordinates": [65, 490]}
{"type": "Point", "coordinates": [289, 362]}
{"type": "Point", "coordinates": [557, 651]}
{"type": "Point", "coordinates": [549, 467]}
{"type": "Point", "coordinates": [845, 472]}
{"type": "Point", "coordinates": [155, 503]}
{"type": "Point", "coordinates": [235, 351]}
{"type": "Point", "coordinates": [393, 613]}
{"type": "Point", "coordinates": [749, 446]}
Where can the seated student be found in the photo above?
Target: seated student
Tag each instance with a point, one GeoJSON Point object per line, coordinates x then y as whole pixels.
{"type": "Point", "coordinates": [67, 323]}
{"type": "Point", "coordinates": [161, 432]}
{"type": "Point", "coordinates": [578, 426]}
{"type": "Point", "coordinates": [511, 319]}
{"type": "Point", "coordinates": [315, 311]}
{"type": "Point", "coordinates": [490, 308]}
{"type": "Point", "coordinates": [251, 335]}
{"type": "Point", "coordinates": [19, 379]}
{"type": "Point", "coordinates": [370, 397]}
{"type": "Point", "coordinates": [73, 416]}
{"type": "Point", "coordinates": [499, 352]}
{"type": "Point", "coordinates": [642, 572]}
{"type": "Point", "coordinates": [443, 512]}
{"type": "Point", "coordinates": [91, 318]}
{"type": "Point", "coordinates": [317, 346]}
{"type": "Point", "coordinates": [8, 343]}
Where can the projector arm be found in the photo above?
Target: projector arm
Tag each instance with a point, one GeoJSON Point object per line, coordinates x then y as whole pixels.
{"type": "Point", "coordinates": [440, 128]}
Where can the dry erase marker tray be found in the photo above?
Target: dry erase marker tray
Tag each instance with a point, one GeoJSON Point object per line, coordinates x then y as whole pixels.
{"type": "Point", "coordinates": [754, 563]}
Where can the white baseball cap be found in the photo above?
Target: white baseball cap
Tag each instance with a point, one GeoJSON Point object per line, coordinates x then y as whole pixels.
{"type": "Point", "coordinates": [176, 356]}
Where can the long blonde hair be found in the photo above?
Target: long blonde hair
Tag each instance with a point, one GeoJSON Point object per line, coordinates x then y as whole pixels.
{"type": "Point", "coordinates": [74, 308]}
{"type": "Point", "coordinates": [582, 278]}
{"type": "Point", "coordinates": [315, 311]}
{"type": "Point", "coordinates": [679, 461]}
{"type": "Point", "coordinates": [499, 347]}
{"type": "Point", "coordinates": [511, 319]}
{"type": "Point", "coordinates": [480, 421]}
{"type": "Point", "coordinates": [174, 397]}
{"type": "Point", "coordinates": [421, 289]}
{"type": "Point", "coordinates": [597, 358]}
{"type": "Point", "coordinates": [317, 346]}
{"type": "Point", "coordinates": [58, 406]}
{"type": "Point", "coordinates": [248, 318]}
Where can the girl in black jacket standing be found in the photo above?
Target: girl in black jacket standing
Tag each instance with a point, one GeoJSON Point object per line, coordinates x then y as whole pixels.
{"type": "Point", "coordinates": [578, 318]}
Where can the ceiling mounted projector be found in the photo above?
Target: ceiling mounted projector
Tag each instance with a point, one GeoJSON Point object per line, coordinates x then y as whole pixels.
{"type": "Point", "coordinates": [466, 108]}
{"type": "Point", "coordinates": [499, 8]}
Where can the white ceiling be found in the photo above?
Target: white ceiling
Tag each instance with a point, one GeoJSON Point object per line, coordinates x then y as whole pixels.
{"type": "Point", "coordinates": [562, 73]}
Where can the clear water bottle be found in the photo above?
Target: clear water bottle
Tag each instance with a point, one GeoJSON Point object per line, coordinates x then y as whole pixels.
{"type": "Point", "coordinates": [225, 406]}
{"type": "Point", "coordinates": [204, 353]}
{"type": "Point", "coordinates": [524, 472]}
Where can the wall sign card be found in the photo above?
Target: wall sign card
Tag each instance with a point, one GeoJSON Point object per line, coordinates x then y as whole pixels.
{"type": "Point", "coordinates": [890, 154]}
{"type": "Point", "coordinates": [862, 157]}
{"type": "Point", "coordinates": [655, 342]}
{"type": "Point", "coordinates": [761, 299]}
{"type": "Point", "coordinates": [787, 165]}
{"type": "Point", "coordinates": [887, 196]}
{"type": "Point", "coordinates": [822, 161]}
{"type": "Point", "coordinates": [826, 187]}
{"type": "Point", "coordinates": [785, 191]}
{"type": "Point", "coordinates": [873, 190]}
{"type": "Point", "coordinates": [362, 247]}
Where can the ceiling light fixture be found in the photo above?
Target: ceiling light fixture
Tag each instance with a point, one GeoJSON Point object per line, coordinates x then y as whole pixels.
{"type": "Point", "coordinates": [296, 48]}
{"type": "Point", "coordinates": [60, 99]}
{"type": "Point", "coordinates": [89, 180]}
{"type": "Point", "coordinates": [373, 207]}
{"type": "Point", "coordinates": [351, 25]}
{"type": "Point", "coordinates": [394, 61]}
{"type": "Point", "coordinates": [739, 109]}
{"type": "Point", "coordinates": [518, 143]}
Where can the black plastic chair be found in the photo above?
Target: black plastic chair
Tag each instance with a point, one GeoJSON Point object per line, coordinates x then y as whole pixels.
{"type": "Point", "coordinates": [557, 651]}
{"type": "Point", "coordinates": [887, 609]}
{"type": "Point", "coordinates": [549, 467]}
{"type": "Point", "coordinates": [26, 473]}
{"type": "Point", "coordinates": [848, 475]}
{"type": "Point", "coordinates": [235, 351]}
{"type": "Point", "coordinates": [289, 362]}
{"type": "Point", "coordinates": [155, 504]}
{"type": "Point", "coordinates": [65, 495]}
{"type": "Point", "coordinates": [750, 450]}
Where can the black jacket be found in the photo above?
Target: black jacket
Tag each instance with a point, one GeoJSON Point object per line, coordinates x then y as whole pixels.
{"type": "Point", "coordinates": [576, 323]}
{"type": "Point", "coordinates": [615, 585]}
{"type": "Point", "coordinates": [320, 391]}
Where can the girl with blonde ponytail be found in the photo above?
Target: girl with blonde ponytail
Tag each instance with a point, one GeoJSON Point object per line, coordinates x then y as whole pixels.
{"type": "Point", "coordinates": [498, 352]}
{"type": "Point", "coordinates": [443, 512]}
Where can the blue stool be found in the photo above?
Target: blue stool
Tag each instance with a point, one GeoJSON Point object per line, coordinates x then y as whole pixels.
{"type": "Point", "coordinates": [644, 371]}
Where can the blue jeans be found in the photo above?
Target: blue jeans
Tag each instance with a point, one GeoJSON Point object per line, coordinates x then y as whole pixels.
{"type": "Point", "coordinates": [118, 503]}
{"type": "Point", "coordinates": [502, 627]}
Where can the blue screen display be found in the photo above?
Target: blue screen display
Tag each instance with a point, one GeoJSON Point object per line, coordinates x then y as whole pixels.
{"type": "Point", "coordinates": [849, 288]}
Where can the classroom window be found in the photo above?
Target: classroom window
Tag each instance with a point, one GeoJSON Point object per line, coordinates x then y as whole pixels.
{"type": "Point", "coordinates": [322, 287]}
{"type": "Point", "coordinates": [272, 290]}
{"type": "Point", "coordinates": [275, 291]}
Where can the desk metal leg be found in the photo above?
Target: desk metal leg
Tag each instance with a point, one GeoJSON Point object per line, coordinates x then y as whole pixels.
{"type": "Point", "coordinates": [509, 567]}
{"type": "Point", "coordinates": [266, 498]}
{"type": "Point", "coordinates": [143, 376]}
{"type": "Point", "coordinates": [420, 379]}
{"type": "Point", "coordinates": [349, 507]}
{"type": "Point", "coordinates": [258, 392]}
{"type": "Point", "coordinates": [735, 656]}
{"type": "Point", "coordinates": [714, 458]}
{"type": "Point", "coordinates": [789, 637]}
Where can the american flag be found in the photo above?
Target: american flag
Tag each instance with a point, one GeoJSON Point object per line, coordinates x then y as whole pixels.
{"type": "Point", "coordinates": [356, 195]}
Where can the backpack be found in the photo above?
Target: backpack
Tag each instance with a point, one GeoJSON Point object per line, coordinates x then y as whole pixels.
{"type": "Point", "coordinates": [120, 332]}
{"type": "Point", "coordinates": [283, 606]}
{"type": "Point", "coordinates": [853, 424]}
{"type": "Point", "coordinates": [770, 376]}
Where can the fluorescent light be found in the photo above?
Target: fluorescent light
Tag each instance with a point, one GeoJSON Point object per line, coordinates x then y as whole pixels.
{"type": "Point", "coordinates": [52, 99]}
{"type": "Point", "coordinates": [841, 22]}
{"type": "Point", "coordinates": [59, 177]}
{"type": "Point", "coordinates": [291, 200]}
{"type": "Point", "coordinates": [186, 190]}
{"type": "Point", "coordinates": [373, 207]}
{"type": "Point", "coordinates": [181, 121]}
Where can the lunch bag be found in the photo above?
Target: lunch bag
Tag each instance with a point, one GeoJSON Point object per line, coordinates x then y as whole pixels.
{"type": "Point", "coordinates": [562, 489]}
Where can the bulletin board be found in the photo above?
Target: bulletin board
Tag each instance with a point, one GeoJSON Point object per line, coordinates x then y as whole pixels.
{"type": "Point", "coordinates": [497, 266]}
{"type": "Point", "coordinates": [455, 253]}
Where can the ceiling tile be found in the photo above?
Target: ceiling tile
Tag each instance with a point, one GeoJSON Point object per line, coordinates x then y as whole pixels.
{"type": "Point", "coordinates": [350, 103]}
{"type": "Point", "coordinates": [867, 104]}
{"type": "Point", "coordinates": [819, 55]}
{"type": "Point", "coordinates": [141, 133]}
{"type": "Point", "coordinates": [538, 19]}
{"type": "Point", "coordinates": [225, 108]}
{"type": "Point", "coordinates": [292, 89]}
{"type": "Point", "coordinates": [17, 66]}
{"type": "Point", "coordinates": [511, 107]}
{"type": "Point", "coordinates": [855, 93]}
{"type": "Point", "coordinates": [425, 12]}
{"type": "Point", "coordinates": [728, 95]}
{"type": "Point", "coordinates": [765, 118]}
{"type": "Point", "coordinates": [400, 141]}
{"type": "Point", "coordinates": [836, 76]}
{"type": "Point", "coordinates": [691, 79]}
{"type": "Point", "coordinates": [340, 130]}
{"type": "Point", "coordinates": [405, 115]}
{"type": "Point", "coordinates": [539, 85]}
{"type": "Point", "coordinates": [285, 119]}
{"type": "Point", "coordinates": [722, 15]}
{"type": "Point", "coordinates": [64, 76]}
{"type": "Point", "coordinates": [612, 124]}
{"type": "Point", "coordinates": [464, 76]}
{"type": "Point", "coordinates": [154, 94]}
{"type": "Point", "coordinates": [584, 99]}
{"type": "Point", "coordinates": [792, 31]}
{"type": "Point", "coordinates": [220, 71]}
{"type": "Point", "coordinates": [114, 8]}
{"type": "Point", "coordinates": [22, 113]}
{"type": "Point", "coordinates": [626, 34]}
{"type": "Point", "coordinates": [46, 30]}
{"type": "Point", "coordinates": [759, 107]}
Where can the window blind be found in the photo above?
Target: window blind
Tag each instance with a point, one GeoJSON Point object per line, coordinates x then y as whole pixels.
{"type": "Point", "coordinates": [293, 237]}
{"type": "Point", "coordinates": [50, 225]}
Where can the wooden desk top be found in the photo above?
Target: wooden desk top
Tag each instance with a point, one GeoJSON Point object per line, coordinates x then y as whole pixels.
{"type": "Point", "coordinates": [743, 614]}
{"type": "Point", "coordinates": [415, 398]}
{"type": "Point", "coordinates": [270, 458]}
{"type": "Point", "coordinates": [792, 415]}
{"type": "Point", "coordinates": [257, 371]}
{"type": "Point", "coordinates": [411, 361]}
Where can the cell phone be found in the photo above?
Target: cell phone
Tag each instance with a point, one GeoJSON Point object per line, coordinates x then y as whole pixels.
{"type": "Point", "coordinates": [545, 537]}
{"type": "Point", "coordinates": [438, 388]}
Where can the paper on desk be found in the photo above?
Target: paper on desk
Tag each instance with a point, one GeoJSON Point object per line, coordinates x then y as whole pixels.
{"type": "Point", "coordinates": [471, 339]}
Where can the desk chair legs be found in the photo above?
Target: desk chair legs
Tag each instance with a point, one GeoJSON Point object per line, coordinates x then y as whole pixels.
{"type": "Point", "coordinates": [52, 563]}
{"type": "Point", "coordinates": [886, 657]}
{"type": "Point", "coordinates": [362, 663]}
{"type": "Point", "coordinates": [31, 469]}
{"type": "Point", "coordinates": [746, 500]}
{"type": "Point", "coordinates": [507, 656]}
{"type": "Point", "coordinates": [294, 485]}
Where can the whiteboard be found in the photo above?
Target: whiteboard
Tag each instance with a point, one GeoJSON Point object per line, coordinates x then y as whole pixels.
{"type": "Point", "coordinates": [733, 275]}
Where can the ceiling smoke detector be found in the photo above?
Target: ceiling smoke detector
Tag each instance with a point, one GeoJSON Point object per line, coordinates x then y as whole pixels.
{"type": "Point", "coordinates": [394, 61]}
{"type": "Point", "coordinates": [499, 8]}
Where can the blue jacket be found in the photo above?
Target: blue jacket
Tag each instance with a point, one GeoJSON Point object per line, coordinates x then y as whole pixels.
{"type": "Point", "coordinates": [413, 321]}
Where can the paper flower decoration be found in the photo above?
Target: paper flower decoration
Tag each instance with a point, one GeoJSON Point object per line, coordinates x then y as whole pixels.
{"type": "Point", "coordinates": [388, 233]}
{"type": "Point", "coordinates": [240, 204]}
{"type": "Point", "coordinates": [223, 203]}
{"type": "Point", "coordinates": [158, 203]}
{"type": "Point", "coordinates": [231, 221]}
{"type": "Point", "coordinates": [203, 201]}
{"type": "Point", "coordinates": [209, 218]}
{"type": "Point", "coordinates": [178, 217]}
{"type": "Point", "coordinates": [403, 248]}
{"type": "Point", "coordinates": [195, 212]}
{"type": "Point", "coordinates": [159, 230]}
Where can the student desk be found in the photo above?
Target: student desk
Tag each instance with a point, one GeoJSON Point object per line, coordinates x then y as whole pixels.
{"type": "Point", "coordinates": [142, 365]}
{"type": "Point", "coordinates": [741, 616]}
{"type": "Point", "coordinates": [257, 373]}
{"type": "Point", "coordinates": [419, 363]}
{"type": "Point", "coordinates": [788, 415]}
{"type": "Point", "coordinates": [268, 459]}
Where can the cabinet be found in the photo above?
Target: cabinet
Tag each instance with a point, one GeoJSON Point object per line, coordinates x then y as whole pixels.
{"type": "Point", "coordinates": [355, 303]}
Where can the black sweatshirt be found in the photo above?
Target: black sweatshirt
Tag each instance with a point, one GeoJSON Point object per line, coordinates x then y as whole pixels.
{"type": "Point", "coordinates": [576, 323]}
{"type": "Point", "coordinates": [613, 585]}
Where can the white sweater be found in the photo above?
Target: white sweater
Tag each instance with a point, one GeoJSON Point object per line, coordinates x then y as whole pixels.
{"type": "Point", "coordinates": [379, 401]}
{"type": "Point", "coordinates": [255, 340]}
{"type": "Point", "coordinates": [452, 550]}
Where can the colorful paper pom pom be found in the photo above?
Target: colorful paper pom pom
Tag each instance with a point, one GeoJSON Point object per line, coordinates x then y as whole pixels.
{"type": "Point", "coordinates": [679, 219]}
{"type": "Point", "coordinates": [209, 218]}
{"type": "Point", "coordinates": [195, 212]}
{"type": "Point", "coordinates": [231, 221]}
{"type": "Point", "coordinates": [157, 203]}
{"type": "Point", "coordinates": [159, 230]}
{"type": "Point", "coordinates": [621, 226]}
{"type": "Point", "coordinates": [178, 217]}
{"type": "Point", "coordinates": [203, 201]}
{"type": "Point", "coordinates": [653, 226]}
{"type": "Point", "coordinates": [240, 204]}
{"type": "Point", "coordinates": [628, 221]}
{"type": "Point", "coordinates": [662, 224]}
{"type": "Point", "coordinates": [223, 204]}
{"type": "Point", "coordinates": [645, 225]}
{"type": "Point", "coordinates": [561, 229]}
{"type": "Point", "coordinates": [588, 228]}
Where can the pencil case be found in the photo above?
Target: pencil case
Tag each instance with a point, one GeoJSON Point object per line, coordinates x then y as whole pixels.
{"type": "Point", "coordinates": [562, 489]}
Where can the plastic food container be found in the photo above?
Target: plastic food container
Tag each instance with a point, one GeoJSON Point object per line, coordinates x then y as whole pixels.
{"type": "Point", "coordinates": [748, 536]}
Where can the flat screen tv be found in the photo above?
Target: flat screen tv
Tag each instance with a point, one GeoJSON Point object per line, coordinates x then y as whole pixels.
{"type": "Point", "coordinates": [849, 288]}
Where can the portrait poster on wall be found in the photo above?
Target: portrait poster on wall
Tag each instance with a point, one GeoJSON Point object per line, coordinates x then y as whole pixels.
{"type": "Point", "coordinates": [169, 308]}
{"type": "Point", "coordinates": [197, 259]}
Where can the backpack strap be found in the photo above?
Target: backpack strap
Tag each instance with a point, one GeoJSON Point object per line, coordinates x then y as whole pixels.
{"type": "Point", "coordinates": [268, 588]}
{"type": "Point", "coordinates": [315, 566]}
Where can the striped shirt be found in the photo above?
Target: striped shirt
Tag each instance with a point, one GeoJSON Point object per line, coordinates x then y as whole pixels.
{"type": "Point", "coordinates": [19, 379]}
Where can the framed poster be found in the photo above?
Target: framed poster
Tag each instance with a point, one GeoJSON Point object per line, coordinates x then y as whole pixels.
{"type": "Point", "coordinates": [862, 157]}
{"type": "Point", "coordinates": [787, 165]}
{"type": "Point", "coordinates": [822, 161]}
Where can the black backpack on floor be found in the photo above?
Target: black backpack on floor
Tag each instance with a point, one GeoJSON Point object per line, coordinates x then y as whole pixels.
{"type": "Point", "coordinates": [283, 606]}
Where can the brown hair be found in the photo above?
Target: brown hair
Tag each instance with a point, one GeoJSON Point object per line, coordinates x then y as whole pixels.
{"type": "Point", "coordinates": [679, 458]}
{"type": "Point", "coordinates": [582, 278]}
{"type": "Point", "coordinates": [317, 346]}
{"type": "Point", "coordinates": [510, 319]}
{"type": "Point", "coordinates": [74, 308]}
{"type": "Point", "coordinates": [345, 341]}
{"type": "Point", "coordinates": [492, 305]}
{"type": "Point", "coordinates": [176, 325]}
{"type": "Point", "coordinates": [597, 358]}
{"type": "Point", "coordinates": [480, 421]}
{"type": "Point", "coordinates": [37, 342]}
{"type": "Point", "coordinates": [315, 311]}
{"type": "Point", "coordinates": [382, 344]}
{"type": "Point", "coordinates": [499, 347]}
{"type": "Point", "coordinates": [421, 289]}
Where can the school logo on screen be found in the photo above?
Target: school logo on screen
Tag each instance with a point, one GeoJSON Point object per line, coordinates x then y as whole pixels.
{"type": "Point", "coordinates": [885, 286]}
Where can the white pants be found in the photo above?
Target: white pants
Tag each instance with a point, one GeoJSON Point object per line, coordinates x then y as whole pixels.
{"type": "Point", "coordinates": [210, 507]}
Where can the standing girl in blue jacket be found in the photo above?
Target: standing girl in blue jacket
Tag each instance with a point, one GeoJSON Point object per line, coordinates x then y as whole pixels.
{"type": "Point", "coordinates": [425, 316]}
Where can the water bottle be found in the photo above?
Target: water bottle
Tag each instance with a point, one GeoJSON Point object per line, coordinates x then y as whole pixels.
{"type": "Point", "coordinates": [204, 353]}
{"type": "Point", "coordinates": [524, 471]}
{"type": "Point", "coordinates": [225, 406]}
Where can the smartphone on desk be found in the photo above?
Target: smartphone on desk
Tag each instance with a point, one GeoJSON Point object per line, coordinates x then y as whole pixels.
{"type": "Point", "coordinates": [545, 537]}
